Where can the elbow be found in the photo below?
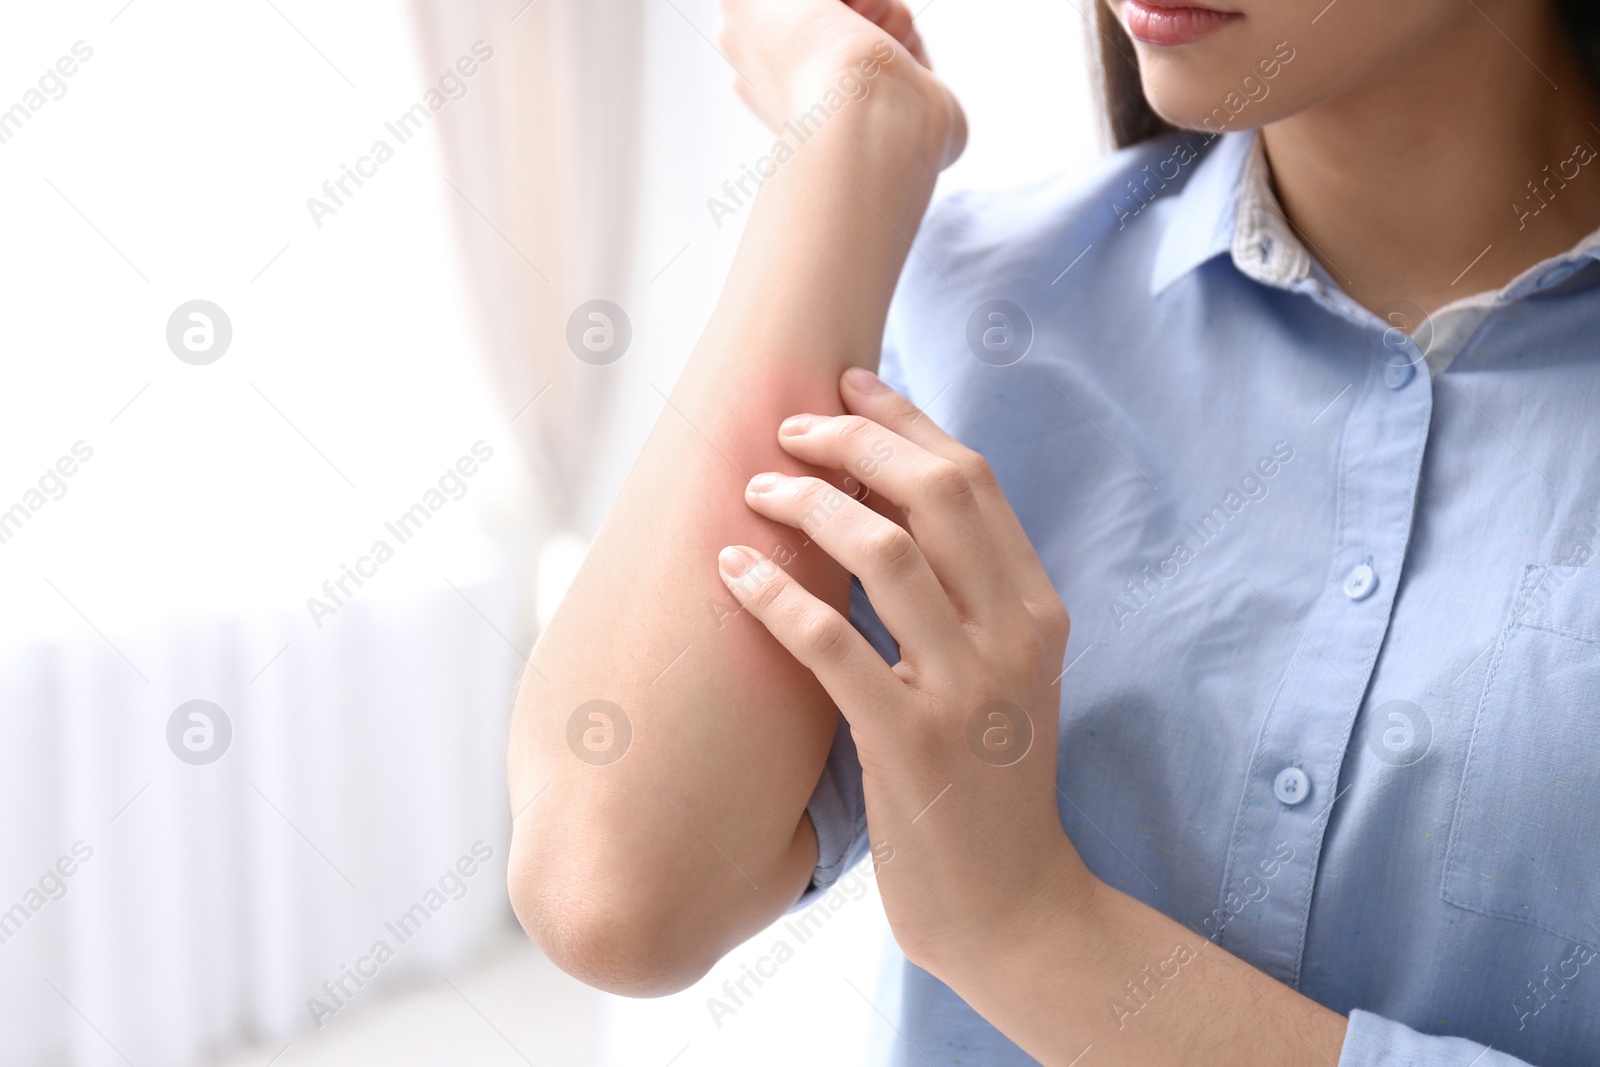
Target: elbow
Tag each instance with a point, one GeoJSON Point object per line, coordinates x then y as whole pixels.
{"type": "Point", "coordinates": [616, 938]}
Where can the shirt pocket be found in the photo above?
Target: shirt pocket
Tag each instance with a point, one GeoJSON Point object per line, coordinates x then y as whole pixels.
{"type": "Point", "coordinates": [1525, 840]}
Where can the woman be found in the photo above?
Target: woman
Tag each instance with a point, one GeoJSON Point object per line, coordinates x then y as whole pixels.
{"type": "Point", "coordinates": [1291, 405]}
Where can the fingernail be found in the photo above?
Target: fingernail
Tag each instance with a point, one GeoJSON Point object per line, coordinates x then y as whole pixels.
{"type": "Point", "coordinates": [762, 482]}
{"type": "Point", "coordinates": [795, 425]}
{"type": "Point", "coordinates": [735, 560]}
{"type": "Point", "coordinates": [864, 381]}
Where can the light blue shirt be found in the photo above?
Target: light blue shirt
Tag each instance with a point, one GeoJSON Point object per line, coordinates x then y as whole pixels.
{"type": "Point", "coordinates": [1333, 694]}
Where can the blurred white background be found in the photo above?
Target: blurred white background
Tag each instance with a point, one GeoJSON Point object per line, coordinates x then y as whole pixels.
{"type": "Point", "coordinates": [367, 356]}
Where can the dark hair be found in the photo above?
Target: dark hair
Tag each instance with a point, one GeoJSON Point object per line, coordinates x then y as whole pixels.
{"type": "Point", "coordinates": [1128, 114]}
{"type": "Point", "coordinates": [1131, 119]}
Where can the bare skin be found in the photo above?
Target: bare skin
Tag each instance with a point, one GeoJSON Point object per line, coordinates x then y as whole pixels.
{"type": "Point", "coordinates": [637, 874]}
{"type": "Point", "coordinates": [1453, 215]}
{"type": "Point", "coordinates": [1402, 137]}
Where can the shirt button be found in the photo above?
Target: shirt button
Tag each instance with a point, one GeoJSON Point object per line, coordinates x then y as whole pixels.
{"type": "Point", "coordinates": [1359, 583]}
{"type": "Point", "coordinates": [1396, 375]}
{"type": "Point", "coordinates": [1291, 786]}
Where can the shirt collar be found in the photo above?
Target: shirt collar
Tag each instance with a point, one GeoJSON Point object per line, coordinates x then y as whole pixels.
{"type": "Point", "coordinates": [1202, 222]}
{"type": "Point", "coordinates": [1228, 206]}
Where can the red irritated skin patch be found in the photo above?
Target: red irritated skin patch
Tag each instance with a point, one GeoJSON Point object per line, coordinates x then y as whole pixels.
{"type": "Point", "coordinates": [748, 436]}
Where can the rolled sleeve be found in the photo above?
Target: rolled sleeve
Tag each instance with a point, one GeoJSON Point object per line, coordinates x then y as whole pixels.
{"type": "Point", "coordinates": [837, 806]}
{"type": "Point", "coordinates": [1373, 1041]}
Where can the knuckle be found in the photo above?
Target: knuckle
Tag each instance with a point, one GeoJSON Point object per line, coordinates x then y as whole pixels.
{"type": "Point", "coordinates": [976, 468]}
{"type": "Point", "coordinates": [945, 482]}
{"type": "Point", "coordinates": [1053, 620]}
{"type": "Point", "coordinates": [895, 408]}
{"type": "Point", "coordinates": [823, 636]}
{"type": "Point", "coordinates": [855, 430]}
{"type": "Point", "coordinates": [771, 586]}
{"type": "Point", "coordinates": [817, 502]}
{"type": "Point", "coordinates": [809, 490]}
{"type": "Point", "coordinates": [891, 549]}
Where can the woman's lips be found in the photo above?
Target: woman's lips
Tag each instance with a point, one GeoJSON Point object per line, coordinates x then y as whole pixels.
{"type": "Point", "coordinates": [1159, 23]}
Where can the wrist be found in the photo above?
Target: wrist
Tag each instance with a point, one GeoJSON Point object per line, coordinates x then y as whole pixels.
{"type": "Point", "coordinates": [876, 86]}
{"type": "Point", "coordinates": [1058, 902]}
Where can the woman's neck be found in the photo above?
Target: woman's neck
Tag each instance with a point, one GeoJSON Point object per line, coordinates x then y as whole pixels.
{"type": "Point", "coordinates": [1453, 175]}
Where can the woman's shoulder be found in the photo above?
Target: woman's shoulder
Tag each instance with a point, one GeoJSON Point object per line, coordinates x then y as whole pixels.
{"type": "Point", "coordinates": [970, 233]}
{"type": "Point", "coordinates": [1070, 259]}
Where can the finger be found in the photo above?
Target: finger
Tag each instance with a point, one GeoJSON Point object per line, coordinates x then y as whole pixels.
{"type": "Point", "coordinates": [941, 505]}
{"type": "Point", "coordinates": [918, 50]}
{"type": "Point", "coordinates": [876, 501]}
{"type": "Point", "coordinates": [865, 394]}
{"type": "Point", "coordinates": [894, 18]}
{"type": "Point", "coordinates": [871, 10]}
{"type": "Point", "coordinates": [896, 22]}
{"type": "Point", "coordinates": [855, 676]}
{"type": "Point", "coordinates": [903, 589]}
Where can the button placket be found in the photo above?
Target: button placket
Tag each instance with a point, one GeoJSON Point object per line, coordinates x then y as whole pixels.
{"type": "Point", "coordinates": [1301, 746]}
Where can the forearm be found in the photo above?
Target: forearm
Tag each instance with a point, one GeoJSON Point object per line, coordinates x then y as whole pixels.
{"type": "Point", "coordinates": [1113, 973]}
{"type": "Point", "coordinates": [694, 839]}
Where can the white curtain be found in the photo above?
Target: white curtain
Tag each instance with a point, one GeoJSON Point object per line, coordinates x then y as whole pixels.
{"type": "Point", "coordinates": [208, 904]}
{"type": "Point", "coordinates": [543, 185]}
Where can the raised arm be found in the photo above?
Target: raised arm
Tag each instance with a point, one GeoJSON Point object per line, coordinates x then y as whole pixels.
{"type": "Point", "coordinates": [636, 873]}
